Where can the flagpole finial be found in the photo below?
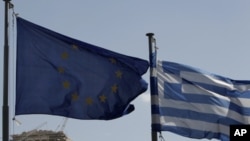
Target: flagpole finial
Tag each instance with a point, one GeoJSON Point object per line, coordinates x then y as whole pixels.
{"type": "Point", "coordinates": [150, 34]}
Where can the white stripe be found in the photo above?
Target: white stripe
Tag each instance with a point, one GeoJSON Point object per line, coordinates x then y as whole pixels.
{"type": "Point", "coordinates": [241, 88]}
{"type": "Point", "coordinates": [191, 124]}
{"type": "Point", "coordinates": [194, 89]}
{"type": "Point", "coordinates": [202, 78]}
{"type": "Point", "coordinates": [201, 108]}
{"type": "Point", "coordinates": [207, 79]}
{"type": "Point", "coordinates": [153, 72]}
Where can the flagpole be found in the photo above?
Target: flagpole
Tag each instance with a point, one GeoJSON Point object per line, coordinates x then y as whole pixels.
{"type": "Point", "coordinates": [153, 80]}
{"type": "Point", "coordinates": [5, 111]}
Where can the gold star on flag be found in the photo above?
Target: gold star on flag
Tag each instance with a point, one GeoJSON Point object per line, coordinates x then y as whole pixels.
{"type": "Point", "coordinates": [102, 98]}
{"type": "Point", "coordinates": [75, 47]}
{"type": "Point", "coordinates": [66, 84]}
{"type": "Point", "coordinates": [61, 69]}
{"type": "Point", "coordinates": [74, 96]}
{"type": "Point", "coordinates": [118, 74]}
{"type": "Point", "coordinates": [89, 101]}
{"type": "Point", "coordinates": [112, 60]}
{"type": "Point", "coordinates": [65, 55]}
{"type": "Point", "coordinates": [114, 88]}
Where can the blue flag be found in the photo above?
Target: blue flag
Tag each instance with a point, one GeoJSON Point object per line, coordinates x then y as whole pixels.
{"type": "Point", "coordinates": [58, 75]}
{"type": "Point", "coordinates": [198, 104]}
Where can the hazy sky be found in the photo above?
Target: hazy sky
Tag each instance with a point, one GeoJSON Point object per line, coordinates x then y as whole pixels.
{"type": "Point", "coordinates": [210, 34]}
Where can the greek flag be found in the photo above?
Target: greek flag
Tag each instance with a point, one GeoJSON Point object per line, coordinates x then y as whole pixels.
{"type": "Point", "coordinates": [198, 104]}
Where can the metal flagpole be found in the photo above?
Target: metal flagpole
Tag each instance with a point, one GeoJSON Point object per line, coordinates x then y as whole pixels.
{"type": "Point", "coordinates": [5, 111]}
{"type": "Point", "coordinates": [153, 79]}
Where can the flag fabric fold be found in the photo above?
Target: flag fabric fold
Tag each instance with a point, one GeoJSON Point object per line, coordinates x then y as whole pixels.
{"type": "Point", "coordinates": [59, 75]}
{"type": "Point", "coordinates": [198, 104]}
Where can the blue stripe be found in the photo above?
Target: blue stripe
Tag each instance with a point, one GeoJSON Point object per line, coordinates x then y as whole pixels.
{"type": "Point", "coordinates": [155, 109]}
{"type": "Point", "coordinates": [153, 85]}
{"type": "Point", "coordinates": [152, 59]}
{"type": "Point", "coordinates": [192, 133]}
{"type": "Point", "coordinates": [173, 91]}
{"type": "Point", "coordinates": [194, 115]}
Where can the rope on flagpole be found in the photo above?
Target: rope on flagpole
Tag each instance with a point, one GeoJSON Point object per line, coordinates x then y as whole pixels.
{"type": "Point", "coordinates": [161, 137]}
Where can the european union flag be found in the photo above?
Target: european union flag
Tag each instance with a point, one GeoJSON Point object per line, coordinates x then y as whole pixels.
{"type": "Point", "coordinates": [58, 75]}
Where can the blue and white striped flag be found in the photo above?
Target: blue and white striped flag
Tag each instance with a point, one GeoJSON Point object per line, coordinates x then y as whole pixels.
{"type": "Point", "coordinates": [198, 104]}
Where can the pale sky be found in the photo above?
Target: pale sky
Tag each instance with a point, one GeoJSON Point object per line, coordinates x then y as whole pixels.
{"type": "Point", "coordinates": [213, 35]}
